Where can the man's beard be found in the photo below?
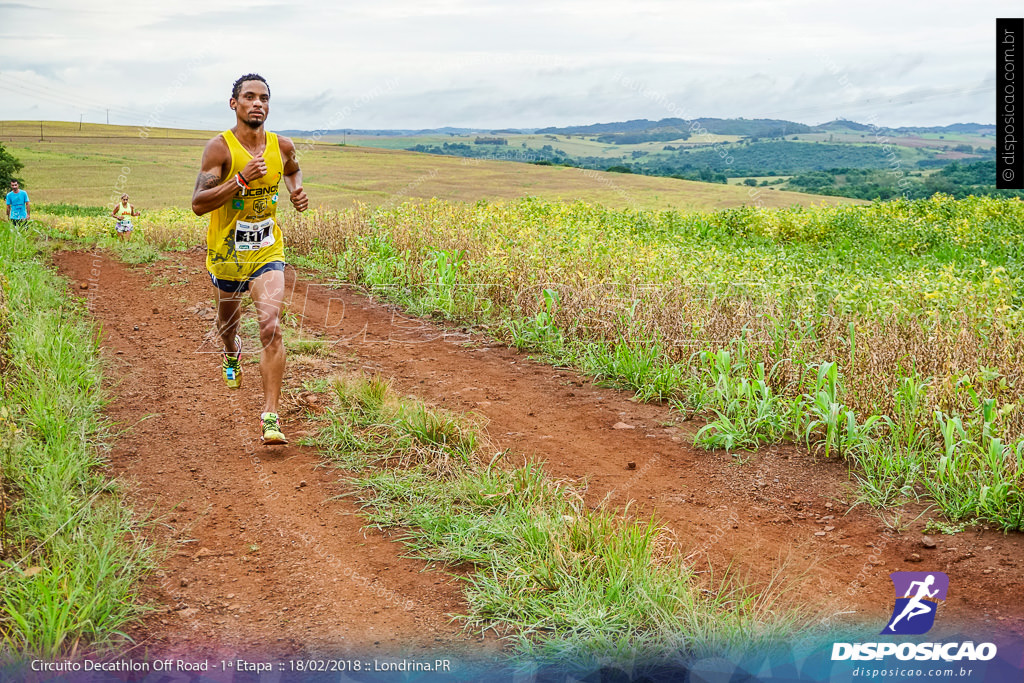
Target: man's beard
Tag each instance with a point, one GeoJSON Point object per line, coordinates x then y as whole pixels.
{"type": "Point", "coordinates": [253, 124]}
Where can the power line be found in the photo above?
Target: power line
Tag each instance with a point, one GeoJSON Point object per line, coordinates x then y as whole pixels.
{"type": "Point", "coordinates": [48, 94]}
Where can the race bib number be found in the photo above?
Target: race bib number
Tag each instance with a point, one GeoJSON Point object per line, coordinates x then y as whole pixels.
{"type": "Point", "coordinates": [253, 236]}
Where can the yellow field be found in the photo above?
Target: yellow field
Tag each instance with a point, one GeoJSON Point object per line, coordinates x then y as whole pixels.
{"type": "Point", "coordinates": [93, 166]}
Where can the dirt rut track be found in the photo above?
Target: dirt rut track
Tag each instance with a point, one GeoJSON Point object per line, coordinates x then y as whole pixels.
{"type": "Point", "coordinates": [265, 559]}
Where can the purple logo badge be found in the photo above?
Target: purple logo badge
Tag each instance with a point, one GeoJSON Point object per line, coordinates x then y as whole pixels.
{"type": "Point", "coordinates": [917, 597]}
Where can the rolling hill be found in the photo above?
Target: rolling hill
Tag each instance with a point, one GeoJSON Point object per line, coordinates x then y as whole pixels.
{"type": "Point", "coordinates": [94, 165]}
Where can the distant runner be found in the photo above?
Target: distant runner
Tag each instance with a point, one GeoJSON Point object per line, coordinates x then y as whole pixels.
{"type": "Point", "coordinates": [238, 182]}
{"type": "Point", "coordinates": [124, 212]}
{"type": "Point", "coordinates": [19, 209]}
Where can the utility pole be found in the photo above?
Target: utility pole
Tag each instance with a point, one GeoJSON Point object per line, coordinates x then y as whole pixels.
{"type": "Point", "coordinates": [80, 117]}
{"type": "Point", "coordinates": [108, 117]}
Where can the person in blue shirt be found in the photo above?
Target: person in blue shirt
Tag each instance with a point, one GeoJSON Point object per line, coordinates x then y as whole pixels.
{"type": "Point", "coordinates": [18, 208]}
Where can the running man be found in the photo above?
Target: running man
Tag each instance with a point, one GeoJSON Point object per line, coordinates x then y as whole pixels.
{"type": "Point", "coordinates": [123, 212]}
{"type": "Point", "coordinates": [19, 209]}
{"type": "Point", "coordinates": [238, 186]}
{"type": "Point", "coordinates": [915, 606]}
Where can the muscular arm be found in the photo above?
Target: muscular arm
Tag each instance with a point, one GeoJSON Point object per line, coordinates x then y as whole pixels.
{"type": "Point", "coordinates": [211, 192]}
{"type": "Point", "coordinates": [293, 174]}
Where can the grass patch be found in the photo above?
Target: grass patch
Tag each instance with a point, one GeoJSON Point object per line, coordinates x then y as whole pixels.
{"type": "Point", "coordinates": [61, 209]}
{"type": "Point", "coordinates": [134, 252]}
{"type": "Point", "coordinates": [71, 555]}
{"type": "Point", "coordinates": [565, 582]}
{"type": "Point", "coordinates": [305, 346]}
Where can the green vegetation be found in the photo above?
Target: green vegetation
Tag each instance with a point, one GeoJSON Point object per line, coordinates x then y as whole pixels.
{"type": "Point", "coordinates": [571, 584]}
{"type": "Point", "coordinates": [71, 210]}
{"type": "Point", "coordinates": [802, 324]}
{"type": "Point", "coordinates": [768, 128]}
{"type": "Point", "coordinates": [839, 159]}
{"type": "Point", "coordinates": [888, 335]}
{"type": "Point", "coordinates": [955, 179]}
{"type": "Point", "coordinates": [765, 158]}
{"type": "Point", "coordinates": [637, 138]}
{"type": "Point", "coordinates": [71, 554]}
{"type": "Point", "coordinates": [9, 169]}
{"type": "Point", "coordinates": [864, 169]}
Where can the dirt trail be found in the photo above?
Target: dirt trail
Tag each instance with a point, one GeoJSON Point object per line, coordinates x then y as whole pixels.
{"type": "Point", "coordinates": [268, 561]}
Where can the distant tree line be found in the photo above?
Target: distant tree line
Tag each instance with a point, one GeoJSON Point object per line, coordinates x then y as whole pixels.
{"type": "Point", "coordinates": [956, 179]}
{"type": "Point", "coordinates": [778, 157]}
{"type": "Point", "coordinates": [637, 138]}
{"type": "Point", "coordinates": [546, 155]}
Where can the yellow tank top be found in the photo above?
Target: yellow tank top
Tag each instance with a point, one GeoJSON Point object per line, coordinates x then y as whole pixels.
{"type": "Point", "coordinates": [243, 233]}
{"type": "Point", "coordinates": [124, 210]}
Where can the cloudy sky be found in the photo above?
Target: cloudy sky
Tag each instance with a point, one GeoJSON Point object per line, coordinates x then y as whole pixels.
{"type": "Point", "coordinates": [503, 63]}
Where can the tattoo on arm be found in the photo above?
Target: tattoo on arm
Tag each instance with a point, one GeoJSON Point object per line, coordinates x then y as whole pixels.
{"type": "Point", "coordinates": [207, 180]}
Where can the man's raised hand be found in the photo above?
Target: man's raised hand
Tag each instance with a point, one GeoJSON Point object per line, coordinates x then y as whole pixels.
{"type": "Point", "coordinates": [256, 168]}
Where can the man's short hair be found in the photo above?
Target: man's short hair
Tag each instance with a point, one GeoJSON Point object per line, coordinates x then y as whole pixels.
{"type": "Point", "coordinates": [236, 89]}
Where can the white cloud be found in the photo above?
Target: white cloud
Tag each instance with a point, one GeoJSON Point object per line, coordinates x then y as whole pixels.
{"type": "Point", "coordinates": [502, 63]}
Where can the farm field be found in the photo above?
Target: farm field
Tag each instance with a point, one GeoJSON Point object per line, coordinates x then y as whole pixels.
{"type": "Point", "coordinates": [587, 145]}
{"type": "Point", "coordinates": [931, 140]}
{"type": "Point", "coordinates": [44, 130]}
{"type": "Point", "coordinates": [693, 308]}
{"type": "Point", "coordinates": [911, 149]}
{"type": "Point", "coordinates": [66, 168]}
{"type": "Point", "coordinates": [760, 516]}
{"type": "Point", "coordinates": [836, 147]}
{"type": "Point", "coordinates": [573, 145]}
{"type": "Point", "coordinates": [800, 400]}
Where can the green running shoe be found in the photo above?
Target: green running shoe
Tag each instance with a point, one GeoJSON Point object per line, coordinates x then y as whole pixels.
{"type": "Point", "coordinates": [272, 434]}
{"type": "Point", "coordinates": [233, 366]}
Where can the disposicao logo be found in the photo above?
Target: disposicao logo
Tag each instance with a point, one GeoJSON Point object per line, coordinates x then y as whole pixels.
{"type": "Point", "coordinates": [917, 598]}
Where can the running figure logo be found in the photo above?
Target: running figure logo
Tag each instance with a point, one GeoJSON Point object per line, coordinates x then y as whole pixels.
{"type": "Point", "coordinates": [917, 597]}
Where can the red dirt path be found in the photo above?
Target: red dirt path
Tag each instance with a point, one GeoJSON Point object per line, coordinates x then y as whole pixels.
{"type": "Point", "coordinates": [266, 560]}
